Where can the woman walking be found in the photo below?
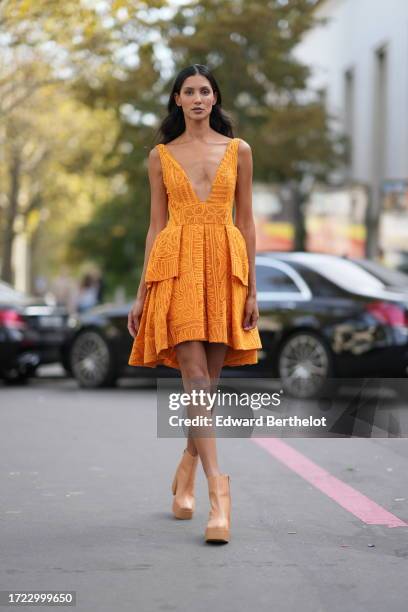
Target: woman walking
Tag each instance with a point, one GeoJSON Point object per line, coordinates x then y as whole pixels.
{"type": "Point", "coordinates": [195, 308]}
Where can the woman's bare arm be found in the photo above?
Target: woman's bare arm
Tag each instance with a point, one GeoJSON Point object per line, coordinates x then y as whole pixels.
{"type": "Point", "coordinates": [158, 220]}
{"type": "Point", "coordinates": [158, 211]}
{"type": "Point", "coordinates": [244, 219]}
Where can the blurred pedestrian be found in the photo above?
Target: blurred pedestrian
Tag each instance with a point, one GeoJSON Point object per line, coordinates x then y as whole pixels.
{"type": "Point", "coordinates": [100, 287]}
{"type": "Point", "coordinates": [64, 289]}
{"type": "Point", "coordinates": [40, 285]}
{"type": "Point", "coordinates": [88, 293]}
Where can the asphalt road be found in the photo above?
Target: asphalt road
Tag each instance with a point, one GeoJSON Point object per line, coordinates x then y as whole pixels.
{"type": "Point", "coordinates": [86, 506]}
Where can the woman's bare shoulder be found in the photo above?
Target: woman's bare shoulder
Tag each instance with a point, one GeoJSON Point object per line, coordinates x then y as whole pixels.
{"type": "Point", "coordinates": [243, 146]}
{"type": "Point", "coordinates": [244, 153]}
{"type": "Point", "coordinates": [154, 156]}
{"type": "Point", "coordinates": [154, 153]}
{"type": "Point", "coordinates": [153, 161]}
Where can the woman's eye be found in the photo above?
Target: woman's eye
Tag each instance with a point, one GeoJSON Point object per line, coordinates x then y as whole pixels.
{"type": "Point", "coordinates": [206, 91]}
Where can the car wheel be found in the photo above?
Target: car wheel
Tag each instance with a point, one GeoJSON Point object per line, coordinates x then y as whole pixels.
{"type": "Point", "coordinates": [91, 360]}
{"type": "Point", "coordinates": [304, 365]}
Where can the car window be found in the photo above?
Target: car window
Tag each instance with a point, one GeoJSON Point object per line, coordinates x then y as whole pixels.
{"type": "Point", "coordinates": [391, 278]}
{"type": "Point", "coordinates": [345, 273]}
{"type": "Point", "coordinates": [318, 284]}
{"type": "Point", "coordinates": [272, 279]}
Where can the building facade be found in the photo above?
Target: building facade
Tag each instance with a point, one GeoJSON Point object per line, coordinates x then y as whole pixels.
{"type": "Point", "coordinates": [359, 58]}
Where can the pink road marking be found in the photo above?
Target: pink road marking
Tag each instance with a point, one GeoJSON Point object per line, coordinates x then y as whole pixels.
{"type": "Point", "coordinates": [352, 500]}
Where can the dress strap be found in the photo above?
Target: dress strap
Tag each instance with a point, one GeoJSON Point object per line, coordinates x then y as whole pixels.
{"type": "Point", "coordinates": [163, 159]}
{"type": "Point", "coordinates": [235, 154]}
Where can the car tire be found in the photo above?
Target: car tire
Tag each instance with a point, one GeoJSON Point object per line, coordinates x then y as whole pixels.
{"type": "Point", "coordinates": [305, 365]}
{"type": "Point", "coordinates": [91, 361]}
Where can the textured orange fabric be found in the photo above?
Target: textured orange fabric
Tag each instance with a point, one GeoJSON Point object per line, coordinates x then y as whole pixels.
{"type": "Point", "coordinates": [197, 272]}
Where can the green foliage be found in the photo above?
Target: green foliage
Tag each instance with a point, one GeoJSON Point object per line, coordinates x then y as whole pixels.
{"type": "Point", "coordinates": [249, 47]}
{"type": "Point", "coordinates": [119, 60]}
{"type": "Point", "coordinates": [114, 240]}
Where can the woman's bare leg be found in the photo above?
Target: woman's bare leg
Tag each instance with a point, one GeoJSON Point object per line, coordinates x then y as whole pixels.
{"type": "Point", "coordinates": [216, 352]}
{"type": "Point", "coordinates": [200, 365]}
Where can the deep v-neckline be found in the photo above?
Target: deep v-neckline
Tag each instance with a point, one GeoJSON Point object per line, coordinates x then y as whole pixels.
{"type": "Point", "coordinates": [188, 178]}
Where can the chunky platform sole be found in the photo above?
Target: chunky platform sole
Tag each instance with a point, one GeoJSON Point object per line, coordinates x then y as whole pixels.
{"type": "Point", "coordinates": [217, 534]}
{"type": "Point", "coordinates": [182, 513]}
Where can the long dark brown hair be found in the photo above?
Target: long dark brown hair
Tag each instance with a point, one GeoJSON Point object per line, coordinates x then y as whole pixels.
{"type": "Point", "coordinates": [173, 124]}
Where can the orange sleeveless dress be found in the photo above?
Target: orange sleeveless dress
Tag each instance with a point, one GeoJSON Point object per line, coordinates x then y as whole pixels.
{"type": "Point", "coordinates": [197, 273]}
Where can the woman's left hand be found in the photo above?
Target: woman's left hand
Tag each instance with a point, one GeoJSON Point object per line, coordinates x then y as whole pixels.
{"type": "Point", "coordinates": [251, 313]}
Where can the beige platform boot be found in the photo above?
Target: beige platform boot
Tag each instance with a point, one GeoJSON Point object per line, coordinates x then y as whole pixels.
{"type": "Point", "coordinates": [183, 486]}
{"type": "Point", "coordinates": [218, 528]}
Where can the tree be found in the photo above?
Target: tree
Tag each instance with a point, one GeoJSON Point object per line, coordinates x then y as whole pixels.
{"type": "Point", "coordinates": [102, 61]}
{"type": "Point", "coordinates": [51, 178]}
{"type": "Point", "coordinates": [249, 46]}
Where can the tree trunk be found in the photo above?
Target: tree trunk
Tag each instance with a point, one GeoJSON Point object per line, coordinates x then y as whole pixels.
{"type": "Point", "coordinates": [372, 221]}
{"type": "Point", "coordinates": [299, 221]}
{"type": "Point", "coordinates": [9, 234]}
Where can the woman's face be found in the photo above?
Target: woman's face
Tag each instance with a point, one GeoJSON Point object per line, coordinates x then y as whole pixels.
{"type": "Point", "coordinates": [196, 92]}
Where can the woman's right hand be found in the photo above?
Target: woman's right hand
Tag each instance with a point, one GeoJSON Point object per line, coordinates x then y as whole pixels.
{"type": "Point", "coordinates": [134, 316]}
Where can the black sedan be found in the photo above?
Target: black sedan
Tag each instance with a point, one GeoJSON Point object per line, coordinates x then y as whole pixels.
{"type": "Point", "coordinates": [321, 317]}
{"type": "Point", "coordinates": [32, 333]}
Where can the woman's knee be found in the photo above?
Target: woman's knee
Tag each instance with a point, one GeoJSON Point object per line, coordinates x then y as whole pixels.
{"type": "Point", "coordinates": [196, 374]}
{"type": "Point", "coordinates": [193, 362]}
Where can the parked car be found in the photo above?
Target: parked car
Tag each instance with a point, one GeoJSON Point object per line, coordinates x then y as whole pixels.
{"type": "Point", "coordinates": [334, 318]}
{"type": "Point", "coordinates": [321, 316]}
{"type": "Point", "coordinates": [31, 333]}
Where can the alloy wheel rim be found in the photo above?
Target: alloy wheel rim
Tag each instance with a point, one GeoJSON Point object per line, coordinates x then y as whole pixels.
{"type": "Point", "coordinates": [90, 358]}
{"type": "Point", "coordinates": [304, 365]}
